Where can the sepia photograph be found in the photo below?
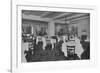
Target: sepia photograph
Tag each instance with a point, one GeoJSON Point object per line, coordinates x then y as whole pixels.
{"type": "Point", "coordinates": [54, 36]}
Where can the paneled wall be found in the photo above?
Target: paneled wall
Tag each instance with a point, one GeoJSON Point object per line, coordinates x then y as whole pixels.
{"type": "Point", "coordinates": [35, 25]}
{"type": "Point", "coordinates": [83, 26]}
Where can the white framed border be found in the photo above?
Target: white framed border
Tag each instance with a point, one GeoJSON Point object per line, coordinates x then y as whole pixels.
{"type": "Point", "coordinates": [17, 66]}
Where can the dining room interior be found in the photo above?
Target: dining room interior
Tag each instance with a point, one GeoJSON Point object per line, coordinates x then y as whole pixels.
{"type": "Point", "coordinates": [54, 36]}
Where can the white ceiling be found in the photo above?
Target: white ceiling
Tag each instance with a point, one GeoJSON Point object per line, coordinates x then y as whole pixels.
{"type": "Point", "coordinates": [50, 15]}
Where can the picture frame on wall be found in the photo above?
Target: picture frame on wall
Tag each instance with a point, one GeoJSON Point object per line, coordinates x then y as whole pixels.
{"type": "Point", "coordinates": [52, 36]}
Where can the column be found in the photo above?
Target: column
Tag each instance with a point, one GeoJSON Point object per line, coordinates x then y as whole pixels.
{"type": "Point", "coordinates": [51, 27]}
{"type": "Point", "coordinates": [32, 30]}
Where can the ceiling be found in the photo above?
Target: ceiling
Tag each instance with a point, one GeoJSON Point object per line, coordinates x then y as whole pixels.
{"type": "Point", "coordinates": [51, 15]}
